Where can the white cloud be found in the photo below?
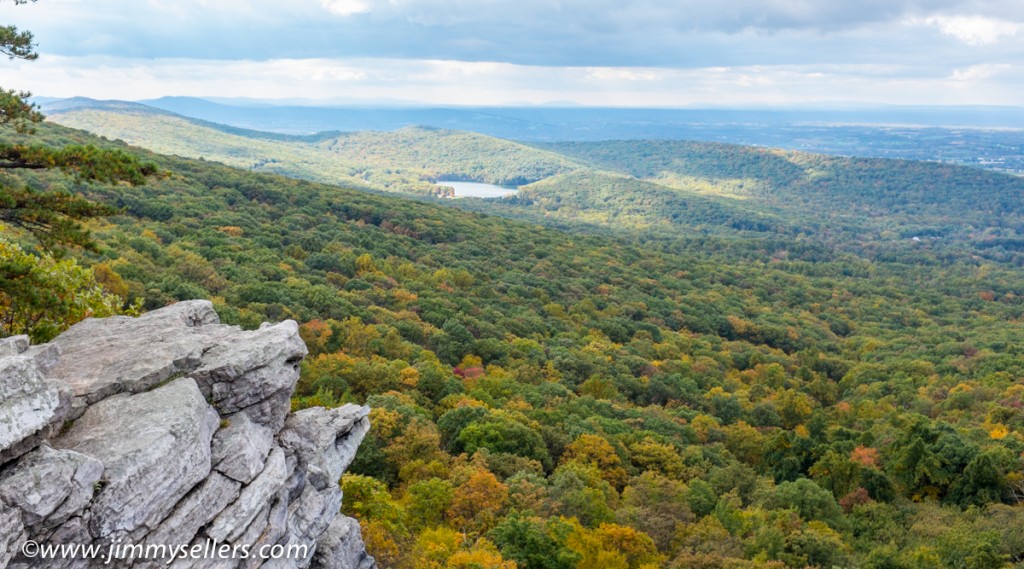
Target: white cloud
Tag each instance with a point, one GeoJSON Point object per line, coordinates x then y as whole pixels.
{"type": "Point", "coordinates": [346, 7]}
{"type": "Point", "coordinates": [490, 83]}
{"type": "Point", "coordinates": [618, 74]}
{"type": "Point", "coordinates": [979, 72]}
{"type": "Point", "coordinates": [974, 30]}
{"type": "Point", "coordinates": [604, 52]}
{"type": "Point", "coordinates": [586, 33]}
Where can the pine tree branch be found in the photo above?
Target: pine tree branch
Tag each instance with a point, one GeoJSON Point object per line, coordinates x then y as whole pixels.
{"type": "Point", "coordinates": [17, 44]}
{"type": "Point", "coordinates": [86, 163]}
{"type": "Point", "coordinates": [16, 112]}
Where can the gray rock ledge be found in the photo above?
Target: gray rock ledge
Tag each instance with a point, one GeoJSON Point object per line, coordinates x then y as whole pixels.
{"type": "Point", "coordinates": [171, 429]}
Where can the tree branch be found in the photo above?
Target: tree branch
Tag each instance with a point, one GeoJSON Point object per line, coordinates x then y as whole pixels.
{"type": "Point", "coordinates": [17, 44]}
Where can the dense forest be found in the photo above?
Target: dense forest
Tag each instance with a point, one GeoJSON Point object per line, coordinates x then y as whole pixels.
{"type": "Point", "coordinates": [876, 208]}
{"type": "Point", "coordinates": [913, 133]}
{"type": "Point", "coordinates": [406, 161]}
{"type": "Point", "coordinates": [894, 199]}
{"type": "Point", "coordinates": [728, 389]}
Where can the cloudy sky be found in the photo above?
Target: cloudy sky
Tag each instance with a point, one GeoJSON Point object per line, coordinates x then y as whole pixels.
{"type": "Point", "coordinates": [595, 52]}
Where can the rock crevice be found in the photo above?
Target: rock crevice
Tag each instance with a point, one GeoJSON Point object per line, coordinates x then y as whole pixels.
{"type": "Point", "coordinates": [171, 430]}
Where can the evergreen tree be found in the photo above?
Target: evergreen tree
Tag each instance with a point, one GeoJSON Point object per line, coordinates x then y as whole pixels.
{"type": "Point", "coordinates": [51, 217]}
{"type": "Point", "coordinates": [39, 294]}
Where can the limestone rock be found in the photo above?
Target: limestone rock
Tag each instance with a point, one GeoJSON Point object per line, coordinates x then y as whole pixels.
{"type": "Point", "coordinates": [309, 518]}
{"type": "Point", "coordinates": [32, 407]}
{"type": "Point", "coordinates": [171, 429]}
{"type": "Point", "coordinates": [252, 369]}
{"type": "Point", "coordinates": [195, 511]}
{"type": "Point", "coordinates": [341, 547]}
{"type": "Point", "coordinates": [75, 530]}
{"type": "Point", "coordinates": [46, 357]}
{"type": "Point", "coordinates": [271, 528]}
{"type": "Point", "coordinates": [49, 486]}
{"type": "Point", "coordinates": [103, 357]}
{"type": "Point", "coordinates": [12, 534]}
{"type": "Point", "coordinates": [155, 447]}
{"type": "Point", "coordinates": [240, 450]}
{"type": "Point", "coordinates": [234, 520]}
{"type": "Point", "coordinates": [13, 346]}
{"type": "Point", "coordinates": [326, 440]}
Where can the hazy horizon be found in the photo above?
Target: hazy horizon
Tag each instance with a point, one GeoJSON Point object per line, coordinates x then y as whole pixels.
{"type": "Point", "coordinates": [341, 102]}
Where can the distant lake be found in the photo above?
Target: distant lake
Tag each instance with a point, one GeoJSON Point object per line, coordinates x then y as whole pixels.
{"type": "Point", "coordinates": [477, 190]}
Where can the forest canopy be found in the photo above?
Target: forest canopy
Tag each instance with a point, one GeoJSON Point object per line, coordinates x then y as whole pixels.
{"type": "Point", "coordinates": [559, 399]}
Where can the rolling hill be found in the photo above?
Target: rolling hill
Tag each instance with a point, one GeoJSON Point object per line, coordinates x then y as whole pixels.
{"type": "Point", "coordinates": [660, 188]}
{"type": "Point", "coordinates": [408, 160]}
{"type": "Point", "coordinates": [986, 137]}
{"type": "Point", "coordinates": [649, 189]}
{"type": "Point", "coordinates": [853, 199]}
{"type": "Point", "coordinates": [555, 395]}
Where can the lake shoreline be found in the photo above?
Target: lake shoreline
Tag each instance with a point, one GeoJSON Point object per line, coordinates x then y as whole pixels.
{"type": "Point", "coordinates": [477, 189]}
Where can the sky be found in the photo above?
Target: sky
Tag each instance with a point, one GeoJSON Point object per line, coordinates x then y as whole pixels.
{"type": "Point", "coordinates": [664, 53]}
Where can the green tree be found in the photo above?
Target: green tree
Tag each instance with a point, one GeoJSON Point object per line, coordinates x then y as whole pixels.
{"type": "Point", "coordinates": [984, 479]}
{"type": "Point", "coordinates": [426, 502]}
{"type": "Point", "coordinates": [701, 497]}
{"type": "Point", "coordinates": [581, 493]}
{"type": "Point", "coordinates": [41, 296]}
{"type": "Point", "coordinates": [917, 467]}
{"type": "Point", "coordinates": [532, 545]}
{"type": "Point", "coordinates": [502, 433]}
{"type": "Point", "coordinates": [811, 501]}
{"type": "Point", "coordinates": [52, 217]}
{"type": "Point", "coordinates": [963, 547]}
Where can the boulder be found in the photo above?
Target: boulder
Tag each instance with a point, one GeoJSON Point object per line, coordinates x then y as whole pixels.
{"type": "Point", "coordinates": [341, 547]}
{"type": "Point", "coordinates": [240, 449]}
{"type": "Point", "coordinates": [155, 448]}
{"type": "Point", "coordinates": [326, 440]}
{"type": "Point", "coordinates": [13, 346]}
{"type": "Point", "coordinates": [103, 357]}
{"type": "Point", "coordinates": [171, 429]}
{"type": "Point", "coordinates": [49, 485]}
{"type": "Point", "coordinates": [32, 406]}
{"type": "Point", "coordinates": [252, 369]}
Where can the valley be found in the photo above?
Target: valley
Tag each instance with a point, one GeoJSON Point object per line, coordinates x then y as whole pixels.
{"type": "Point", "coordinates": [655, 354]}
{"type": "Point", "coordinates": [649, 189]}
{"type": "Point", "coordinates": [984, 136]}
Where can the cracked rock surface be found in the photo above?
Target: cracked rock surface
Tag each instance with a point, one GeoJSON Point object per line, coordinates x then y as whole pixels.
{"type": "Point", "coordinates": [172, 429]}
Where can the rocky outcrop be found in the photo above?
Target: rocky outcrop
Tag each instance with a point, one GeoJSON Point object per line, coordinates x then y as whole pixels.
{"type": "Point", "coordinates": [167, 441]}
{"type": "Point", "coordinates": [33, 406]}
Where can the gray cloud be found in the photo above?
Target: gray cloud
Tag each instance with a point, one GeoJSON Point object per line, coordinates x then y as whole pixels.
{"type": "Point", "coordinates": [747, 48]}
{"type": "Point", "coordinates": [604, 16]}
{"type": "Point", "coordinates": [681, 33]}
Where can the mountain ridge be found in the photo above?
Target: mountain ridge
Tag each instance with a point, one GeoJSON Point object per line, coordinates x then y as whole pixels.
{"type": "Point", "coordinates": [864, 203]}
{"type": "Point", "coordinates": [760, 400]}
